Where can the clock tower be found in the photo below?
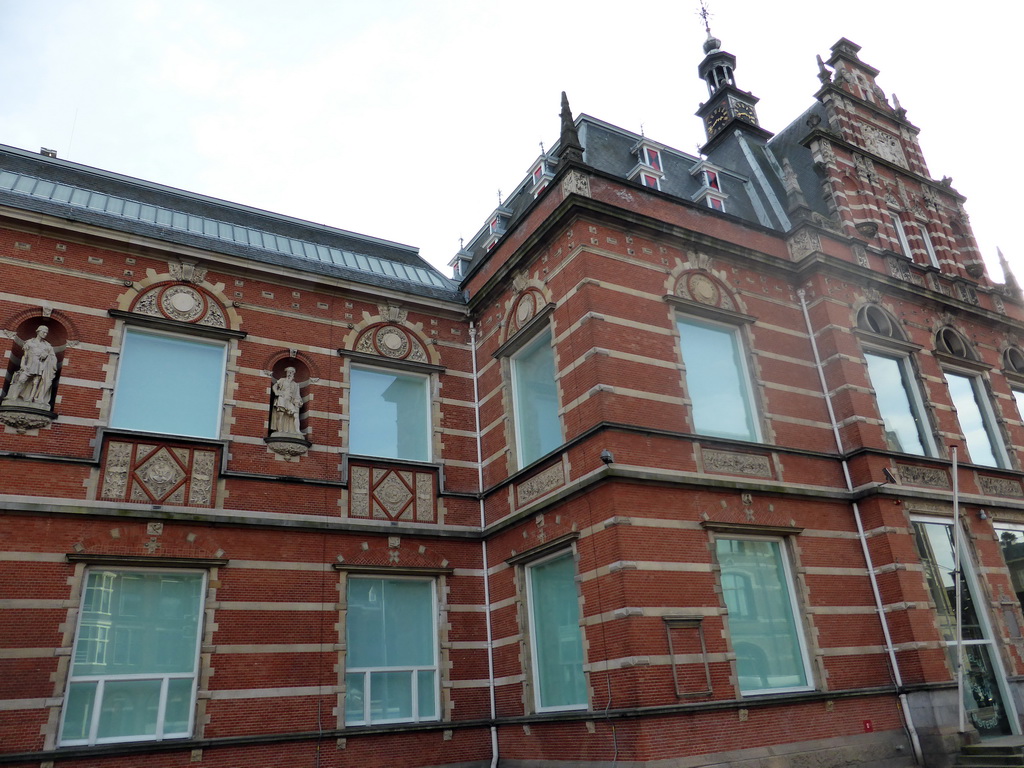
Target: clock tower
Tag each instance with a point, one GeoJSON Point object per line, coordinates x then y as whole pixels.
{"type": "Point", "coordinates": [728, 106]}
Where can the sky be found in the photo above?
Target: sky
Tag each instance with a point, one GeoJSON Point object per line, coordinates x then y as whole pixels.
{"type": "Point", "coordinates": [403, 119]}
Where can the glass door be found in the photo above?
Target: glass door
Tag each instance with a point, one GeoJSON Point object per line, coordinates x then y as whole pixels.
{"type": "Point", "coordinates": [984, 695]}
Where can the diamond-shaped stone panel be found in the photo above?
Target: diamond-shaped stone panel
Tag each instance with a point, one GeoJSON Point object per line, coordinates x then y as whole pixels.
{"type": "Point", "coordinates": [393, 495]}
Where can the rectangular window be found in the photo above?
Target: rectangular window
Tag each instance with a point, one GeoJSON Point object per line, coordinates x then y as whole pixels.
{"type": "Point", "coordinates": [711, 180]}
{"type": "Point", "coordinates": [901, 234]}
{"type": "Point", "coordinates": [391, 670]}
{"type": "Point", "coordinates": [715, 203]}
{"type": "Point", "coordinates": [977, 422]}
{"type": "Point", "coordinates": [1011, 542]}
{"type": "Point", "coordinates": [652, 157]}
{"type": "Point", "coordinates": [1018, 398]}
{"type": "Point", "coordinates": [649, 180]}
{"type": "Point", "coordinates": [555, 640]}
{"type": "Point", "coordinates": [766, 636]}
{"type": "Point", "coordinates": [535, 400]}
{"type": "Point", "coordinates": [169, 384]}
{"type": "Point", "coordinates": [899, 404]}
{"type": "Point", "coordinates": [389, 414]}
{"type": "Point", "coordinates": [933, 259]}
{"type": "Point", "coordinates": [133, 672]}
{"type": "Point", "coordinates": [717, 380]}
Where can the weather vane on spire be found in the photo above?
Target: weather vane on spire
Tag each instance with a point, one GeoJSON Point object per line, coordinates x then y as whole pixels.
{"type": "Point", "coordinates": [705, 15]}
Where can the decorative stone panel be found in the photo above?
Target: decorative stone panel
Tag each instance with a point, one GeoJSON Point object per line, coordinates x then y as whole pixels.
{"type": "Point", "coordinates": [929, 477]}
{"type": "Point", "coordinates": [391, 341]}
{"type": "Point", "coordinates": [389, 493]}
{"type": "Point", "coordinates": [181, 302]}
{"type": "Point", "coordinates": [540, 484]}
{"type": "Point", "coordinates": [145, 473]}
{"type": "Point", "coordinates": [732, 463]}
{"type": "Point", "coordinates": [999, 486]}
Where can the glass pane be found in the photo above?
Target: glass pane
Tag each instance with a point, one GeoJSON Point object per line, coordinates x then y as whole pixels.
{"type": "Point", "coordinates": [977, 432]}
{"type": "Point", "coordinates": [935, 546]}
{"type": "Point", "coordinates": [1018, 397]}
{"type": "Point", "coordinates": [390, 623]}
{"type": "Point", "coordinates": [536, 400]}
{"type": "Point", "coordinates": [903, 427]}
{"type": "Point", "coordinates": [716, 381]}
{"type": "Point", "coordinates": [1012, 544]}
{"type": "Point", "coordinates": [390, 696]}
{"type": "Point", "coordinates": [354, 683]}
{"type": "Point", "coordinates": [170, 385]}
{"type": "Point", "coordinates": [179, 706]}
{"type": "Point", "coordinates": [388, 415]}
{"type": "Point", "coordinates": [129, 708]}
{"type": "Point", "coordinates": [427, 694]}
{"type": "Point", "coordinates": [558, 646]}
{"type": "Point", "coordinates": [78, 708]}
{"type": "Point", "coordinates": [139, 623]}
{"type": "Point", "coordinates": [769, 653]}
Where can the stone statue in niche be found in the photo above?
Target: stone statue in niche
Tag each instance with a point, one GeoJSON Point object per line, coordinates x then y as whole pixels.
{"type": "Point", "coordinates": [32, 384]}
{"type": "Point", "coordinates": [284, 414]}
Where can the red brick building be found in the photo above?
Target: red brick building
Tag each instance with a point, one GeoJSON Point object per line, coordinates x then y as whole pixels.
{"type": "Point", "coordinates": [664, 477]}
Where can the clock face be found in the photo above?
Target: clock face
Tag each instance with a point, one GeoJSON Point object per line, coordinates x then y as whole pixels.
{"type": "Point", "coordinates": [744, 111]}
{"type": "Point", "coordinates": [716, 118]}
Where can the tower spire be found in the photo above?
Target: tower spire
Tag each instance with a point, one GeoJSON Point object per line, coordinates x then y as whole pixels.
{"type": "Point", "coordinates": [569, 147]}
{"type": "Point", "coordinates": [1009, 279]}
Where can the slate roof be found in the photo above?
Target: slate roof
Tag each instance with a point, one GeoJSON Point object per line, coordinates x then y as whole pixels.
{"type": "Point", "coordinates": [80, 193]}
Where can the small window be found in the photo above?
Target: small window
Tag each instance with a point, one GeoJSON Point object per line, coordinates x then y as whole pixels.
{"type": "Point", "coordinates": [133, 670]}
{"type": "Point", "coordinates": [952, 343]}
{"type": "Point", "coordinates": [717, 380]}
{"type": "Point", "coordinates": [715, 203]}
{"type": "Point", "coordinates": [901, 236]}
{"type": "Point", "coordinates": [933, 259]}
{"type": "Point", "coordinates": [535, 400]}
{"type": "Point", "coordinates": [389, 414]}
{"type": "Point", "coordinates": [875, 320]}
{"type": "Point", "coordinates": [650, 180]}
{"type": "Point", "coordinates": [711, 180]}
{"type": "Point", "coordinates": [977, 422]}
{"type": "Point", "coordinates": [757, 586]}
{"type": "Point", "coordinates": [169, 384]}
{"type": "Point", "coordinates": [391, 669]}
{"type": "Point", "coordinates": [899, 404]}
{"type": "Point", "coordinates": [652, 157]}
{"type": "Point", "coordinates": [1013, 360]}
{"type": "Point", "coordinates": [556, 643]}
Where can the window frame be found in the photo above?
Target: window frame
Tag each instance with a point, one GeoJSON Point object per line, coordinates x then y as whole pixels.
{"type": "Point", "coordinates": [529, 343]}
{"type": "Point", "coordinates": [987, 413]}
{"type": "Point", "coordinates": [413, 670]}
{"type": "Point", "coordinates": [929, 247]}
{"type": "Point", "coordinates": [915, 401]}
{"type": "Point", "coordinates": [203, 339]}
{"type": "Point", "coordinates": [547, 555]}
{"type": "Point", "coordinates": [101, 680]}
{"type": "Point", "coordinates": [747, 389]}
{"type": "Point", "coordinates": [370, 365]}
{"type": "Point", "coordinates": [734, 533]}
{"type": "Point", "coordinates": [901, 235]}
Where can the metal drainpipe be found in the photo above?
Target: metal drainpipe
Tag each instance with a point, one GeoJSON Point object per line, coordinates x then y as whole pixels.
{"type": "Point", "coordinates": [897, 677]}
{"type": "Point", "coordinates": [483, 544]}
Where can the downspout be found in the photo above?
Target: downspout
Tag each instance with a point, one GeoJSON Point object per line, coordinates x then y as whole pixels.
{"type": "Point", "coordinates": [879, 607]}
{"type": "Point", "coordinates": [483, 544]}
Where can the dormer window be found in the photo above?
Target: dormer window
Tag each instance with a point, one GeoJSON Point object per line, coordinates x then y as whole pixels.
{"type": "Point", "coordinates": [711, 192]}
{"type": "Point", "coordinates": [652, 157]}
{"type": "Point", "coordinates": [496, 226]}
{"type": "Point", "coordinates": [650, 167]}
{"type": "Point", "coordinates": [540, 176]}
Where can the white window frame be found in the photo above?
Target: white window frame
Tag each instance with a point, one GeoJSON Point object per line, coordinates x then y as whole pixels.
{"type": "Point", "coordinates": [427, 388]}
{"type": "Point", "coordinates": [929, 248]}
{"type": "Point", "coordinates": [901, 234]}
{"type": "Point", "coordinates": [532, 634]}
{"type": "Point", "coordinates": [988, 417]}
{"type": "Point", "coordinates": [914, 399]}
{"type": "Point", "coordinates": [746, 383]}
{"type": "Point", "coordinates": [794, 604]}
{"type": "Point", "coordinates": [412, 670]}
{"type": "Point", "coordinates": [145, 331]}
{"type": "Point", "coordinates": [546, 333]}
{"type": "Point", "coordinates": [164, 677]}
